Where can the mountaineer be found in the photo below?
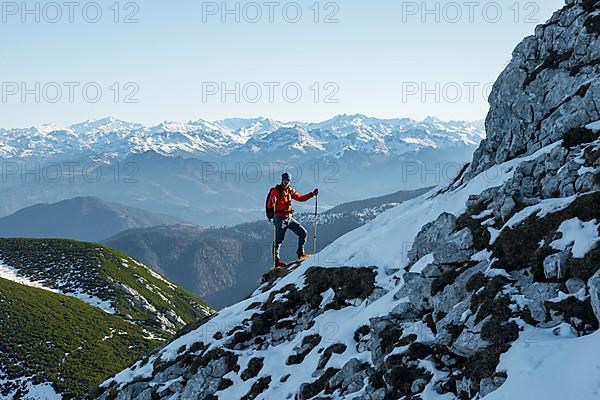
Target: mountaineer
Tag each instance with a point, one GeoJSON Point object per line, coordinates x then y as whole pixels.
{"type": "Point", "coordinates": [279, 209]}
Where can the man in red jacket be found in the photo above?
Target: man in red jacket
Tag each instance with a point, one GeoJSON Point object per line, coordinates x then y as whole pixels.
{"type": "Point", "coordinates": [281, 196]}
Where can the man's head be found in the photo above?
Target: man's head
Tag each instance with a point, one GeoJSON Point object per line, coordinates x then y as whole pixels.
{"type": "Point", "coordinates": [285, 179]}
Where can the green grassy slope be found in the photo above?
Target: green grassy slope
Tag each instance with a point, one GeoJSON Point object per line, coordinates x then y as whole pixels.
{"type": "Point", "coordinates": [134, 292]}
{"type": "Point", "coordinates": [59, 339]}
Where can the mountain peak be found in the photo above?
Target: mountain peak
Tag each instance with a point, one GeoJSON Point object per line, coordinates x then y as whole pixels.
{"type": "Point", "coordinates": [431, 120]}
{"type": "Point", "coordinates": [87, 218]}
{"type": "Point", "coordinates": [112, 138]}
{"type": "Point", "coordinates": [103, 125]}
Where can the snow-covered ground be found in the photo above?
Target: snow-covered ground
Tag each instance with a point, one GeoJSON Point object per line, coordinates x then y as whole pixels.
{"type": "Point", "coordinates": [11, 274]}
{"type": "Point", "coordinates": [559, 367]}
{"type": "Point", "coordinates": [583, 236]}
{"type": "Point", "coordinates": [43, 391]}
{"type": "Point", "coordinates": [595, 126]}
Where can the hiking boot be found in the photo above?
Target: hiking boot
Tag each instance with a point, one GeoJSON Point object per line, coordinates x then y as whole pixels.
{"type": "Point", "coordinates": [300, 252]}
{"type": "Point", "coordinates": [279, 263]}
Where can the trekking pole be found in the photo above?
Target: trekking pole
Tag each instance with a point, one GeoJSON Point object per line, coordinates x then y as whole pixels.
{"type": "Point", "coordinates": [274, 238]}
{"type": "Point", "coordinates": [315, 233]}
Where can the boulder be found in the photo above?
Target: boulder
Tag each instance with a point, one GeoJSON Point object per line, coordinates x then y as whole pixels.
{"type": "Point", "coordinates": [587, 182]}
{"type": "Point", "coordinates": [418, 385]}
{"type": "Point", "coordinates": [347, 374]}
{"type": "Point", "coordinates": [594, 288]}
{"type": "Point", "coordinates": [432, 271]}
{"type": "Point", "coordinates": [538, 293]}
{"type": "Point", "coordinates": [405, 311]}
{"type": "Point", "coordinates": [417, 288]}
{"type": "Point", "coordinates": [145, 395]}
{"type": "Point", "coordinates": [550, 186]}
{"type": "Point", "coordinates": [431, 235]}
{"type": "Point", "coordinates": [456, 249]}
{"type": "Point", "coordinates": [377, 293]}
{"type": "Point", "coordinates": [489, 385]}
{"type": "Point", "coordinates": [444, 337]}
{"type": "Point", "coordinates": [469, 342]}
{"type": "Point", "coordinates": [555, 265]}
{"type": "Point", "coordinates": [455, 292]}
{"type": "Point", "coordinates": [376, 394]}
{"type": "Point", "coordinates": [574, 285]}
{"type": "Point", "coordinates": [374, 344]}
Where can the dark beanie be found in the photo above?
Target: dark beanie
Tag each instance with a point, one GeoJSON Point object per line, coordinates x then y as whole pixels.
{"type": "Point", "coordinates": [285, 176]}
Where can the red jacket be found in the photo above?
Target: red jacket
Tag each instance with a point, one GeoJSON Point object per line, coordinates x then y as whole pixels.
{"type": "Point", "coordinates": [283, 203]}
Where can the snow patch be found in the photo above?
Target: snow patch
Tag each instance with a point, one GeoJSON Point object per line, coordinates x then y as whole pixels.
{"type": "Point", "coordinates": [543, 208]}
{"type": "Point", "coordinates": [156, 275]}
{"type": "Point", "coordinates": [420, 265]}
{"type": "Point", "coordinates": [483, 214]}
{"type": "Point", "coordinates": [42, 391]}
{"type": "Point", "coordinates": [139, 298]}
{"type": "Point", "coordinates": [483, 255]}
{"type": "Point", "coordinates": [584, 170]}
{"type": "Point", "coordinates": [583, 236]}
{"type": "Point", "coordinates": [595, 126]}
{"type": "Point", "coordinates": [104, 305]}
{"type": "Point", "coordinates": [531, 361]}
{"type": "Point", "coordinates": [327, 297]}
{"type": "Point", "coordinates": [12, 274]}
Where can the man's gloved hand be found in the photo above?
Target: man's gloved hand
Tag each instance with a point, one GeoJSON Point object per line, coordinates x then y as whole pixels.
{"type": "Point", "coordinates": [316, 192]}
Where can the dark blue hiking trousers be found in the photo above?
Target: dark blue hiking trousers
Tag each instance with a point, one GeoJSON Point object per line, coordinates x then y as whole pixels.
{"type": "Point", "coordinates": [281, 226]}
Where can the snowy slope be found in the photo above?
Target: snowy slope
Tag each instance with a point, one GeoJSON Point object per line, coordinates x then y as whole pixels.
{"type": "Point", "coordinates": [376, 243]}
{"type": "Point", "coordinates": [73, 313]}
{"type": "Point", "coordinates": [381, 243]}
{"type": "Point", "coordinates": [534, 360]}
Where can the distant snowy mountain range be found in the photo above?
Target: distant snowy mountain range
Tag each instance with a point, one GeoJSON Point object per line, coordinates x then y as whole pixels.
{"type": "Point", "coordinates": [164, 168]}
{"type": "Point", "coordinates": [110, 138]}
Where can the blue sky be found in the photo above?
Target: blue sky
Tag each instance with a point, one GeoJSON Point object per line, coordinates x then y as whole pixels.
{"type": "Point", "coordinates": [382, 58]}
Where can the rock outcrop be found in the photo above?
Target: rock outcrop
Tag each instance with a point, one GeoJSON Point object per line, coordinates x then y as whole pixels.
{"type": "Point", "coordinates": [549, 90]}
